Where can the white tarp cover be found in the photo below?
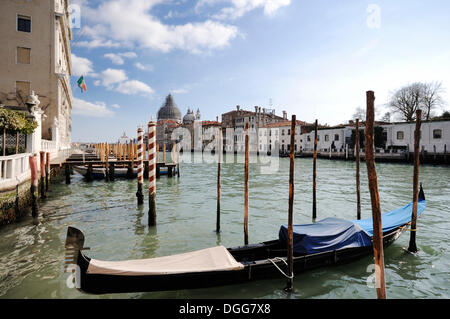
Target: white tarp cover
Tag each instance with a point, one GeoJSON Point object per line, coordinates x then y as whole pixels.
{"type": "Point", "coordinates": [209, 259]}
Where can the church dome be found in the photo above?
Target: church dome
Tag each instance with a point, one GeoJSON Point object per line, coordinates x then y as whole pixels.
{"type": "Point", "coordinates": [169, 111]}
{"type": "Point", "coordinates": [189, 117]}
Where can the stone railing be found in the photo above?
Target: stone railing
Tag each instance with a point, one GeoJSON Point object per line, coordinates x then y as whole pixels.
{"type": "Point", "coordinates": [14, 170]}
{"type": "Point", "coordinates": [48, 146]}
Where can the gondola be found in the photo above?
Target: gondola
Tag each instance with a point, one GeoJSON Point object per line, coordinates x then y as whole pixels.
{"type": "Point", "coordinates": [331, 241]}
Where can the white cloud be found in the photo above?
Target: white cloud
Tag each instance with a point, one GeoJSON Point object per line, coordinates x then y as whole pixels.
{"type": "Point", "coordinates": [238, 8]}
{"type": "Point", "coordinates": [118, 58]}
{"type": "Point", "coordinates": [85, 108]}
{"type": "Point", "coordinates": [112, 27]}
{"type": "Point", "coordinates": [116, 106]}
{"type": "Point", "coordinates": [134, 87]}
{"type": "Point", "coordinates": [180, 91]}
{"type": "Point", "coordinates": [81, 66]}
{"type": "Point", "coordinates": [117, 80]}
{"type": "Point", "coordinates": [112, 76]}
{"type": "Point", "coordinates": [143, 67]}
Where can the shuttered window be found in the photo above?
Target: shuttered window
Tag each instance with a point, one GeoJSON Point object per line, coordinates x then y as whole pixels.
{"type": "Point", "coordinates": [23, 55]}
{"type": "Point", "coordinates": [22, 87]}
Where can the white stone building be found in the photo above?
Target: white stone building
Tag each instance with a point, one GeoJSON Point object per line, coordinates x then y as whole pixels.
{"type": "Point", "coordinates": [435, 137]}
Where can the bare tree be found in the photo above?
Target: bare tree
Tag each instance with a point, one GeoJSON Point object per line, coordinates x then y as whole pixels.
{"type": "Point", "coordinates": [425, 96]}
{"type": "Point", "coordinates": [406, 101]}
{"type": "Point", "coordinates": [431, 98]}
{"type": "Point", "coordinates": [386, 117]}
{"type": "Point", "coordinates": [360, 113]}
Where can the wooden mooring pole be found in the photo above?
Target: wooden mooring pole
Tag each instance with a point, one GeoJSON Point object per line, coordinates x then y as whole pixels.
{"type": "Point", "coordinates": [219, 161]}
{"type": "Point", "coordinates": [246, 133]}
{"type": "Point", "coordinates": [152, 160]}
{"type": "Point", "coordinates": [314, 208]}
{"type": "Point", "coordinates": [290, 246]}
{"type": "Point", "coordinates": [67, 173]}
{"type": "Point", "coordinates": [357, 158]}
{"type": "Point", "coordinates": [140, 166]}
{"type": "Point", "coordinates": [34, 185]}
{"type": "Point", "coordinates": [106, 162]}
{"type": "Point", "coordinates": [42, 166]}
{"type": "Point", "coordinates": [412, 240]}
{"type": "Point", "coordinates": [47, 170]}
{"type": "Point", "coordinates": [375, 198]}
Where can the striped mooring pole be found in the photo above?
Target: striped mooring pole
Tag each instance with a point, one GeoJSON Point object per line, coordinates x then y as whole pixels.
{"type": "Point", "coordinates": [34, 184]}
{"type": "Point", "coordinates": [151, 173]}
{"type": "Point", "coordinates": [140, 165]}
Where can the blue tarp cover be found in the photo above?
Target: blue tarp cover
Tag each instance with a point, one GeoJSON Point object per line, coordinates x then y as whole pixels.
{"type": "Point", "coordinates": [335, 233]}
{"type": "Point", "coordinates": [392, 219]}
{"type": "Point", "coordinates": [328, 234]}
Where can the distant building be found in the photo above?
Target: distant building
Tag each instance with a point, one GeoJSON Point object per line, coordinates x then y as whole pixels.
{"type": "Point", "coordinates": [271, 135]}
{"type": "Point", "coordinates": [169, 118]}
{"type": "Point", "coordinates": [394, 137]}
{"type": "Point", "coordinates": [124, 139]}
{"type": "Point", "coordinates": [237, 119]}
{"type": "Point", "coordinates": [35, 56]}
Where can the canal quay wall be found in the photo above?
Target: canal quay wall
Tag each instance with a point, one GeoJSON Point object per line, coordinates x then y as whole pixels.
{"type": "Point", "coordinates": [16, 199]}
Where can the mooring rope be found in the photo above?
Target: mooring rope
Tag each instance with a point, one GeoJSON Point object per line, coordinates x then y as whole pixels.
{"type": "Point", "coordinates": [280, 259]}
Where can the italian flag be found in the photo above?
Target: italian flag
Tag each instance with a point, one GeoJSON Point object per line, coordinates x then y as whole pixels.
{"type": "Point", "coordinates": [81, 84]}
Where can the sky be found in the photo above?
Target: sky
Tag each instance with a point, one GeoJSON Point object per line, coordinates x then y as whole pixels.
{"type": "Point", "coordinates": [314, 59]}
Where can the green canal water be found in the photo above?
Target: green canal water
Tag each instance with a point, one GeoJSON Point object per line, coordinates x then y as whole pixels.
{"type": "Point", "coordinates": [32, 252]}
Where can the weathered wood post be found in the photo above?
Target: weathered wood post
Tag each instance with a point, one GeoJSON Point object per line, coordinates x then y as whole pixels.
{"type": "Point", "coordinates": [412, 239]}
{"type": "Point", "coordinates": [358, 159]}
{"type": "Point", "coordinates": [107, 162]}
{"type": "Point", "coordinates": [152, 173]}
{"type": "Point", "coordinates": [47, 171]}
{"type": "Point", "coordinates": [314, 212]}
{"type": "Point", "coordinates": [164, 153]}
{"type": "Point", "coordinates": [375, 198]}
{"type": "Point", "coordinates": [445, 153]}
{"type": "Point", "coordinates": [34, 184]}
{"type": "Point", "coordinates": [111, 171]}
{"type": "Point", "coordinates": [435, 155]}
{"type": "Point", "coordinates": [219, 161]}
{"type": "Point", "coordinates": [42, 168]}
{"type": "Point", "coordinates": [140, 166]}
{"type": "Point", "coordinates": [67, 172]}
{"type": "Point", "coordinates": [290, 245]}
{"type": "Point", "coordinates": [246, 133]}
{"type": "Point", "coordinates": [178, 159]}
{"type": "Point", "coordinates": [89, 176]}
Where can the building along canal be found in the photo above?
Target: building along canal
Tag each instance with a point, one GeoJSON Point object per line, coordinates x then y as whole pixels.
{"type": "Point", "coordinates": [32, 251]}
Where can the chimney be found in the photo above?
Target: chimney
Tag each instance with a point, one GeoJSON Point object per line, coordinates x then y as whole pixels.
{"type": "Point", "coordinates": [238, 107]}
{"type": "Point", "coordinates": [264, 110]}
{"type": "Point", "coordinates": [284, 115]}
{"type": "Point", "coordinates": [217, 119]}
{"type": "Point", "coordinates": [256, 109]}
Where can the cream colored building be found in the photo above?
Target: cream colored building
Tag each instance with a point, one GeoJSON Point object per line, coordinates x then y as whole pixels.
{"type": "Point", "coordinates": [35, 56]}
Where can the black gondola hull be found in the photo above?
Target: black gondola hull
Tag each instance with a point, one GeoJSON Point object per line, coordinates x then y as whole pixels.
{"type": "Point", "coordinates": [256, 259]}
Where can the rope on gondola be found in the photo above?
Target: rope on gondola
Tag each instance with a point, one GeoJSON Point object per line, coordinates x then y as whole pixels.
{"type": "Point", "coordinates": [408, 229]}
{"type": "Point", "coordinates": [280, 259]}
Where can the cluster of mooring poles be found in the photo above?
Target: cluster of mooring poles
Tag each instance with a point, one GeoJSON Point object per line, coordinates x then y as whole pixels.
{"type": "Point", "coordinates": [39, 185]}
{"type": "Point", "coordinates": [373, 188]}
